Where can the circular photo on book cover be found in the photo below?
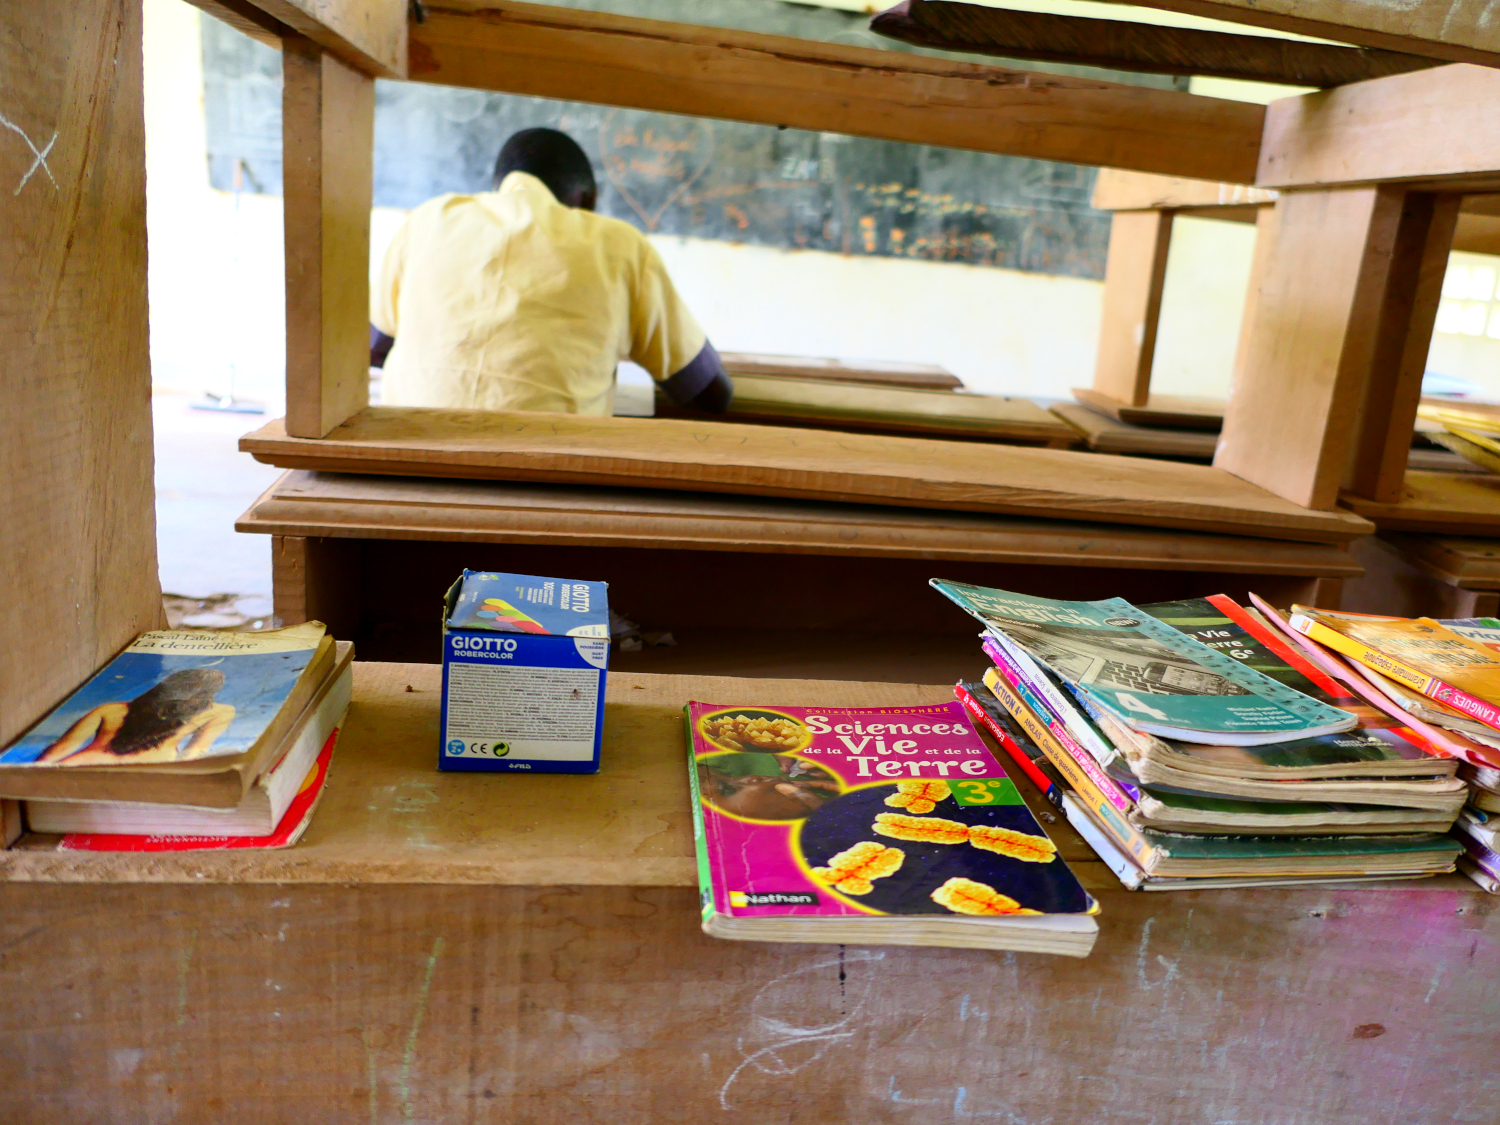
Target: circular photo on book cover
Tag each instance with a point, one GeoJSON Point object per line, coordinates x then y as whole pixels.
{"type": "Point", "coordinates": [995, 853]}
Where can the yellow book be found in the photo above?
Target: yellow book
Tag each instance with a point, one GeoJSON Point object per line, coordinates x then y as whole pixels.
{"type": "Point", "coordinates": [1418, 652]}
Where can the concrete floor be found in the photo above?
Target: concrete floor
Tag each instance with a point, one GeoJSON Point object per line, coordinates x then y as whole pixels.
{"type": "Point", "coordinates": [203, 483]}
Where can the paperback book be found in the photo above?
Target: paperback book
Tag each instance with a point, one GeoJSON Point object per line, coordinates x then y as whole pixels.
{"type": "Point", "coordinates": [872, 826]}
{"type": "Point", "coordinates": [187, 717]}
{"type": "Point", "coordinates": [1147, 674]}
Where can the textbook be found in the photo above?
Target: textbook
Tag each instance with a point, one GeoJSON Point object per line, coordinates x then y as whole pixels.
{"type": "Point", "coordinates": [1418, 652]}
{"type": "Point", "coordinates": [293, 824]}
{"type": "Point", "coordinates": [181, 717]}
{"type": "Point", "coordinates": [257, 815]}
{"type": "Point", "coordinates": [1134, 879]}
{"type": "Point", "coordinates": [1147, 674]}
{"type": "Point", "coordinates": [871, 826]}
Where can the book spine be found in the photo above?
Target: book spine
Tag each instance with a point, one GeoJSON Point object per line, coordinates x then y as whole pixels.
{"type": "Point", "coordinates": [1079, 770]}
{"type": "Point", "coordinates": [1059, 704]}
{"type": "Point", "coordinates": [1257, 629]}
{"type": "Point", "coordinates": [1131, 877]}
{"type": "Point", "coordinates": [1401, 672]}
{"type": "Point", "coordinates": [1017, 680]}
{"type": "Point", "coordinates": [700, 840]}
{"type": "Point", "coordinates": [1002, 736]}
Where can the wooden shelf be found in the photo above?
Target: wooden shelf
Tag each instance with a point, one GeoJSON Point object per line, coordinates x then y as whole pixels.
{"type": "Point", "coordinates": [1446, 503]}
{"type": "Point", "coordinates": [389, 816]}
{"type": "Point", "coordinates": [801, 464]}
{"type": "Point", "coordinates": [353, 506]}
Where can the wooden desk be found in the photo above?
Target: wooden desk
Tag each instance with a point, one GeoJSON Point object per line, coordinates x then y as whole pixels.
{"type": "Point", "coordinates": [447, 947]}
{"type": "Point", "coordinates": [1413, 575]}
{"type": "Point", "coordinates": [372, 556]}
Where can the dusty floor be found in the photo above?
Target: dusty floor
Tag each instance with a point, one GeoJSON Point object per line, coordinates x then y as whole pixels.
{"type": "Point", "coordinates": [211, 575]}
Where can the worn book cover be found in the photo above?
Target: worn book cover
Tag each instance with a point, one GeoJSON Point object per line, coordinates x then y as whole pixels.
{"type": "Point", "coordinates": [1147, 673]}
{"type": "Point", "coordinates": [864, 812]}
{"type": "Point", "coordinates": [1419, 652]}
{"type": "Point", "coordinates": [178, 696]}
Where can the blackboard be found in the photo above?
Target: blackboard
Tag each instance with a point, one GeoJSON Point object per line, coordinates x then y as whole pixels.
{"type": "Point", "coordinates": [697, 177]}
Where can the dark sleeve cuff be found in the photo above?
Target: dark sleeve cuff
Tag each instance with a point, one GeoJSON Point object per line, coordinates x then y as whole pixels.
{"type": "Point", "coordinates": [685, 385]}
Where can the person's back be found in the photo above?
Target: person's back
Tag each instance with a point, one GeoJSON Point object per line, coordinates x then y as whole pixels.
{"type": "Point", "coordinates": [515, 300]}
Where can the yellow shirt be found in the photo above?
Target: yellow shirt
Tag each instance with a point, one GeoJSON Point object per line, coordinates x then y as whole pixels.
{"type": "Point", "coordinates": [507, 300]}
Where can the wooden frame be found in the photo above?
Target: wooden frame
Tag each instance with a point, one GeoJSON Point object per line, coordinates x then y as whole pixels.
{"type": "Point", "coordinates": [1411, 133]}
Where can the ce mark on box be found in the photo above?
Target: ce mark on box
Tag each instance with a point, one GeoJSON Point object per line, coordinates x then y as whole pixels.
{"type": "Point", "coordinates": [458, 748]}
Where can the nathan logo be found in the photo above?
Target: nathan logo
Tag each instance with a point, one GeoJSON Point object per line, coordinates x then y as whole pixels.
{"type": "Point", "coordinates": [1122, 622]}
{"type": "Point", "coordinates": [772, 898]}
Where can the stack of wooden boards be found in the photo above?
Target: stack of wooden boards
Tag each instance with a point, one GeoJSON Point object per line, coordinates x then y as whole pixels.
{"type": "Point", "coordinates": [217, 736]}
{"type": "Point", "coordinates": [1197, 744]}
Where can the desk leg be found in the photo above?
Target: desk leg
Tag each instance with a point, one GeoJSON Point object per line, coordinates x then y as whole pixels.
{"type": "Point", "coordinates": [316, 579]}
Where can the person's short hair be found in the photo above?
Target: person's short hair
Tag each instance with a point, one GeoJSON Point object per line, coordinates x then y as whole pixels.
{"type": "Point", "coordinates": [555, 159]}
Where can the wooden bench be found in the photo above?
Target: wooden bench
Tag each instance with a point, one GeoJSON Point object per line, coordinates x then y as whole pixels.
{"type": "Point", "coordinates": [372, 555]}
{"type": "Point", "coordinates": [1413, 575]}
{"type": "Point", "coordinates": [446, 947]}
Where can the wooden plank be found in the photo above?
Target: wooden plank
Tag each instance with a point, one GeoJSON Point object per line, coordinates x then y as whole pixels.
{"type": "Point", "coordinates": [1139, 47]}
{"type": "Point", "coordinates": [901, 410]}
{"type": "Point", "coordinates": [876, 373]}
{"type": "Point", "coordinates": [806, 464]}
{"type": "Point", "coordinates": [305, 504]}
{"type": "Point", "coordinates": [1109, 435]}
{"type": "Point", "coordinates": [1478, 230]}
{"type": "Point", "coordinates": [76, 494]}
{"type": "Point", "coordinates": [246, 18]}
{"type": "Point", "coordinates": [1134, 277]}
{"type": "Point", "coordinates": [453, 955]}
{"type": "Point", "coordinates": [1309, 342]}
{"type": "Point", "coordinates": [1403, 584]}
{"type": "Point", "coordinates": [711, 72]}
{"type": "Point", "coordinates": [1450, 503]}
{"type": "Point", "coordinates": [552, 1005]}
{"type": "Point", "coordinates": [1473, 564]}
{"type": "Point", "coordinates": [328, 122]}
{"type": "Point", "coordinates": [1460, 30]}
{"type": "Point", "coordinates": [1412, 127]}
{"type": "Point", "coordinates": [1388, 412]}
{"type": "Point", "coordinates": [389, 816]}
{"type": "Point", "coordinates": [1118, 190]}
{"type": "Point", "coordinates": [369, 35]}
{"type": "Point", "coordinates": [1187, 411]}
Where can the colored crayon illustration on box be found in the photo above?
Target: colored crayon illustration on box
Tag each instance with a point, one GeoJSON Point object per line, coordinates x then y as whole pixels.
{"type": "Point", "coordinates": [860, 811]}
{"type": "Point", "coordinates": [524, 665]}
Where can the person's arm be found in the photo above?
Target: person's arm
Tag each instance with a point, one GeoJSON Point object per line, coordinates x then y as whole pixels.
{"type": "Point", "coordinates": [703, 384]}
{"type": "Point", "coordinates": [667, 342]}
{"type": "Point", "coordinates": [380, 346]}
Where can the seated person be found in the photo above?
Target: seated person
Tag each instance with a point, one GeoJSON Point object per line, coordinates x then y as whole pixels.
{"type": "Point", "coordinates": [522, 298]}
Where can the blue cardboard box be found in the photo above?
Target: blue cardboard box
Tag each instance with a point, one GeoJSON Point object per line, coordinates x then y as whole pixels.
{"type": "Point", "coordinates": [524, 661]}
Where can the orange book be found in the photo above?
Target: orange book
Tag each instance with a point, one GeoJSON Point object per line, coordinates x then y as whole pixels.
{"type": "Point", "coordinates": [1418, 652]}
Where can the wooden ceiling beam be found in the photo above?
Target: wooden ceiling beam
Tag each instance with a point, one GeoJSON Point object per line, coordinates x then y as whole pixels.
{"type": "Point", "coordinates": [1146, 48]}
{"type": "Point", "coordinates": [369, 35]}
{"type": "Point", "coordinates": [1456, 30]}
{"type": "Point", "coordinates": [711, 72]}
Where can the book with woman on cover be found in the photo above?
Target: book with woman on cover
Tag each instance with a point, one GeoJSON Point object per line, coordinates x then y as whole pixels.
{"type": "Point", "coordinates": [883, 826]}
{"type": "Point", "coordinates": [174, 705]}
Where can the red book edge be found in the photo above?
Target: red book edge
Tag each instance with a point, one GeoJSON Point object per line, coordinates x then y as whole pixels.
{"type": "Point", "coordinates": [1236, 613]}
{"type": "Point", "coordinates": [293, 823]}
{"type": "Point", "coordinates": [1002, 736]}
{"type": "Point", "coordinates": [1440, 743]}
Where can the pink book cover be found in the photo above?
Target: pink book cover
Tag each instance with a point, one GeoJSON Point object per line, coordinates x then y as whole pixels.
{"type": "Point", "coordinates": [294, 822]}
{"type": "Point", "coordinates": [838, 811]}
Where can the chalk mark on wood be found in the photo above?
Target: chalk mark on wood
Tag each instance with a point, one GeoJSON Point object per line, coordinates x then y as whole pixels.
{"type": "Point", "coordinates": [39, 155]}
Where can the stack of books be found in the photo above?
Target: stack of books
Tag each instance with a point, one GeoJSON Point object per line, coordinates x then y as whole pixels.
{"type": "Point", "coordinates": [188, 739]}
{"type": "Point", "coordinates": [1193, 745]}
{"type": "Point", "coordinates": [1440, 676]}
